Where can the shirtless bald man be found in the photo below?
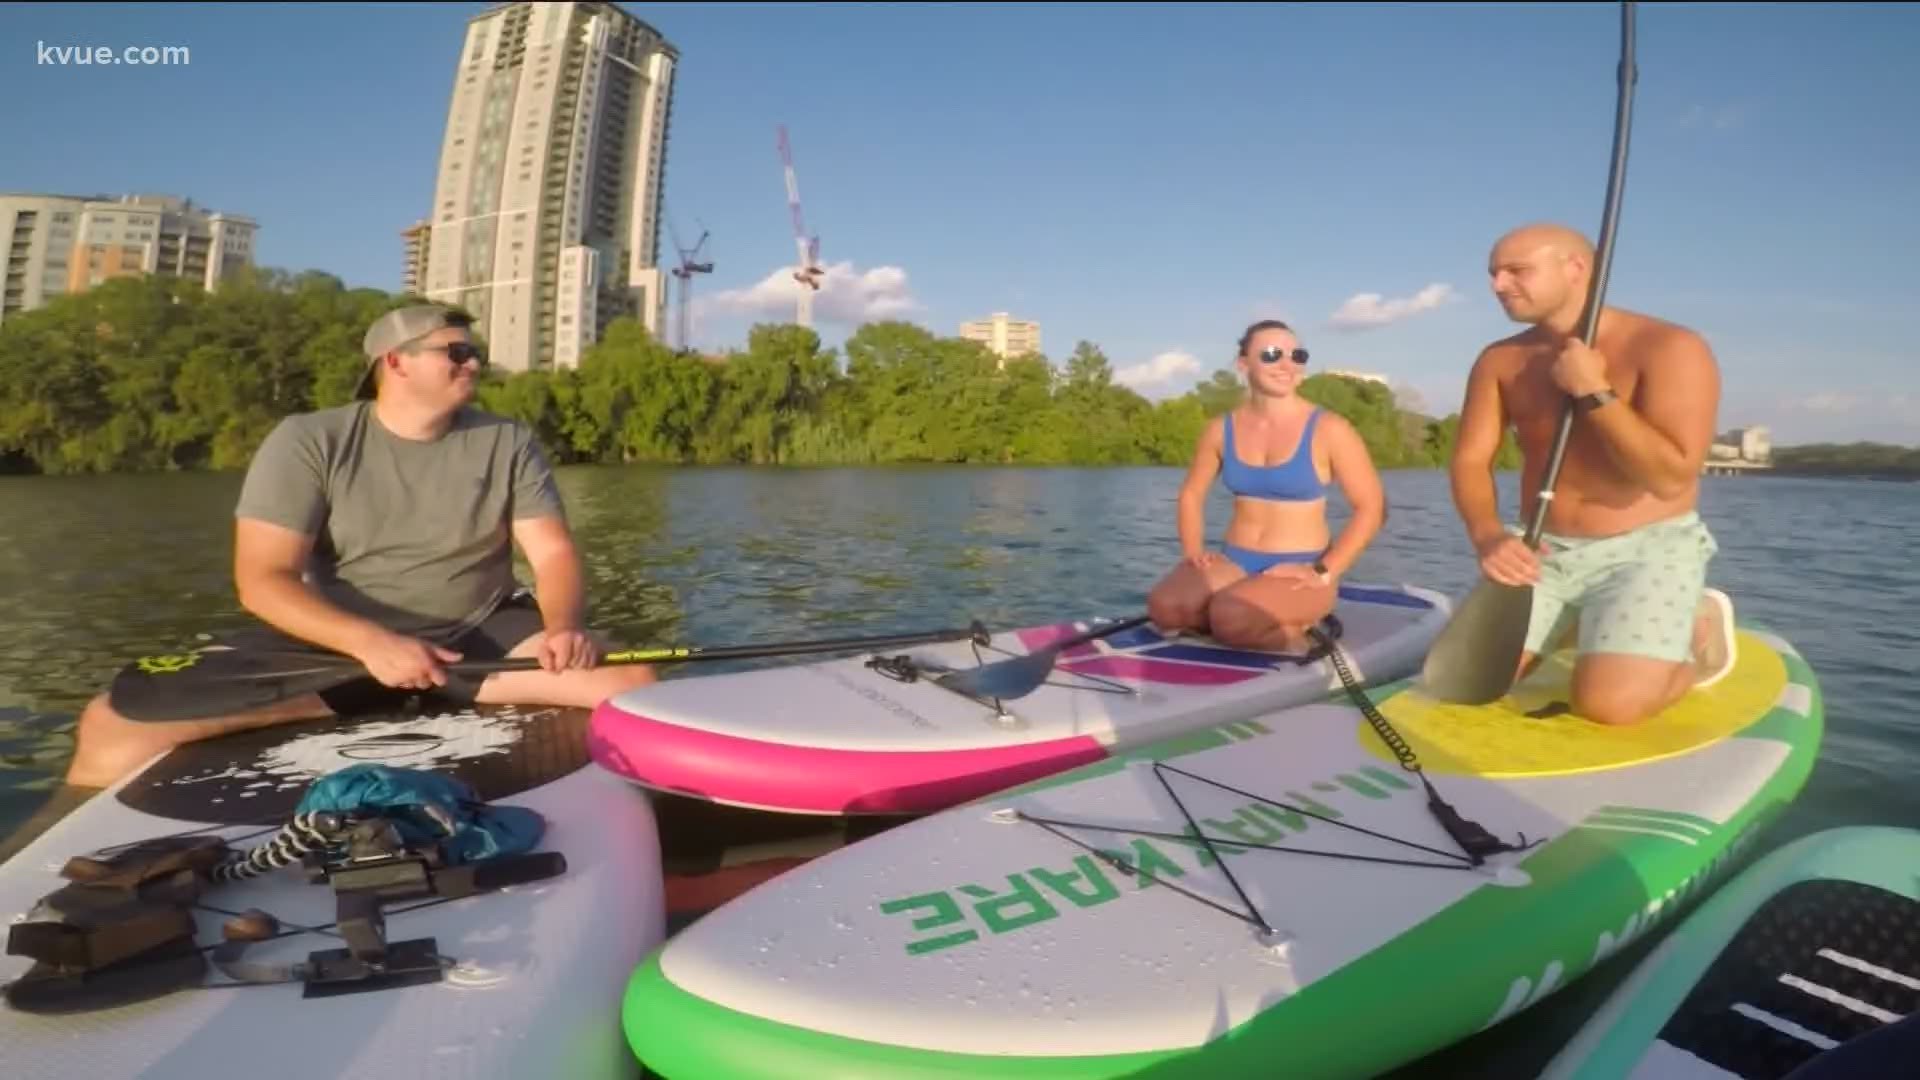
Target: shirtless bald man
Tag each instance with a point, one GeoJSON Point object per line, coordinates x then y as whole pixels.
{"type": "Point", "coordinates": [1623, 546]}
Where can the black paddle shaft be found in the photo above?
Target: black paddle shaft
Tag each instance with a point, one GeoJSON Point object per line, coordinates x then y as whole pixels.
{"type": "Point", "coordinates": [672, 655]}
{"type": "Point", "coordinates": [1474, 658]}
{"type": "Point", "coordinates": [223, 682]}
{"type": "Point", "coordinates": [1628, 75]}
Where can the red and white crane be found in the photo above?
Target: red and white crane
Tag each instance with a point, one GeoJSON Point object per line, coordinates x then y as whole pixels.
{"type": "Point", "coordinates": [808, 274]}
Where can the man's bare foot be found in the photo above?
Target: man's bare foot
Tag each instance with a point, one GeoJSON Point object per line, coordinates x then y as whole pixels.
{"type": "Point", "coordinates": [1713, 647]}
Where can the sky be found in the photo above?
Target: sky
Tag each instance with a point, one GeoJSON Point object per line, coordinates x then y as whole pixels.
{"type": "Point", "coordinates": [1149, 178]}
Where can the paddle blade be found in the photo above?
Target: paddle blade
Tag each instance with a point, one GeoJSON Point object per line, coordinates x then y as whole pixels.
{"type": "Point", "coordinates": [1022, 675]}
{"type": "Point", "coordinates": [221, 682]}
{"type": "Point", "coordinates": [1013, 678]}
{"type": "Point", "coordinates": [1476, 656]}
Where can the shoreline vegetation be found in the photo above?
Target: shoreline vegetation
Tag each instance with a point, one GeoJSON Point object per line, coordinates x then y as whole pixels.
{"type": "Point", "coordinates": [155, 374]}
{"type": "Point", "coordinates": [1854, 461]}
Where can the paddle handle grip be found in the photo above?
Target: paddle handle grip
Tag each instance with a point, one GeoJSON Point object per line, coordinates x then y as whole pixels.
{"type": "Point", "coordinates": [499, 873]}
{"type": "Point", "coordinates": [1628, 74]}
{"type": "Point", "coordinates": [682, 653]}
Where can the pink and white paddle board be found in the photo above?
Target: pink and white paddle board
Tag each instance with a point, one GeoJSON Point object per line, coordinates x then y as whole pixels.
{"type": "Point", "coordinates": [849, 736]}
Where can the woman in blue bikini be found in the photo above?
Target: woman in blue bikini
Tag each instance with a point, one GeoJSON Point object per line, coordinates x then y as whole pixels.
{"type": "Point", "coordinates": [1277, 452]}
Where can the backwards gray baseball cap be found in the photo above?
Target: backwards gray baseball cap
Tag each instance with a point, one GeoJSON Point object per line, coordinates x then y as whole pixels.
{"type": "Point", "coordinates": [399, 327]}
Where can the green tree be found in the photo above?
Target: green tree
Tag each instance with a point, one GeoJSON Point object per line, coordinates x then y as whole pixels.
{"type": "Point", "coordinates": [1219, 394]}
{"type": "Point", "coordinates": [1369, 407]}
{"type": "Point", "coordinates": [155, 373]}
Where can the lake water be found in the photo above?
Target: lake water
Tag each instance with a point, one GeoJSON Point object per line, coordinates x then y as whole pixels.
{"type": "Point", "coordinates": [94, 570]}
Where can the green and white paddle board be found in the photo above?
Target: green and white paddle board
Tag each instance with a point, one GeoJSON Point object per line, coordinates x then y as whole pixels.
{"type": "Point", "coordinates": [1813, 946]}
{"type": "Point", "coordinates": [991, 939]}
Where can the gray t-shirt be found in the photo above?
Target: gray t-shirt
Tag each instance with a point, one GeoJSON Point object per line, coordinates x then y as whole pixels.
{"type": "Point", "coordinates": [412, 534]}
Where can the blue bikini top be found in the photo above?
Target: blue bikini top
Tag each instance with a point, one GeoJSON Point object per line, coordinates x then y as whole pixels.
{"type": "Point", "coordinates": [1294, 480]}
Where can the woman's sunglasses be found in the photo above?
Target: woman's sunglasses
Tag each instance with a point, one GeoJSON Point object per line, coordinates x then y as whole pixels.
{"type": "Point", "coordinates": [1273, 354]}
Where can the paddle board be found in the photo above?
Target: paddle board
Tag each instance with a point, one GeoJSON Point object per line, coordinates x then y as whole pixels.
{"type": "Point", "coordinates": [1815, 945]}
{"type": "Point", "coordinates": [1118, 920]}
{"type": "Point", "coordinates": [847, 736]}
{"type": "Point", "coordinates": [536, 969]}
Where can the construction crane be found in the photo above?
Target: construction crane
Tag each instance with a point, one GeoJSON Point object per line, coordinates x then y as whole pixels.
{"type": "Point", "coordinates": [689, 266]}
{"type": "Point", "coordinates": [808, 274]}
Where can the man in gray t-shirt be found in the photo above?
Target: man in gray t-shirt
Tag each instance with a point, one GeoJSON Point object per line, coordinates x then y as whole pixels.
{"type": "Point", "coordinates": [384, 530]}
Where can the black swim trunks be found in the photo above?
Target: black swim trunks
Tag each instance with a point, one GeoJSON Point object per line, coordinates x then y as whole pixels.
{"type": "Point", "coordinates": [515, 620]}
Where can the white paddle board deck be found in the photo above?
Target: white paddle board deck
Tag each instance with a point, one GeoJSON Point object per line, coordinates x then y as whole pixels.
{"type": "Point", "coordinates": [1814, 949]}
{"type": "Point", "coordinates": [849, 736]}
{"type": "Point", "coordinates": [1079, 927]}
{"type": "Point", "coordinates": [536, 969]}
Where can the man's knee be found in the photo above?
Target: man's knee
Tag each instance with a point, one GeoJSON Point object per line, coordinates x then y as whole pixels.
{"type": "Point", "coordinates": [1619, 701]}
{"type": "Point", "coordinates": [577, 689]}
{"type": "Point", "coordinates": [621, 677]}
{"type": "Point", "coordinates": [100, 726]}
{"type": "Point", "coordinates": [587, 689]}
{"type": "Point", "coordinates": [1614, 709]}
{"type": "Point", "coordinates": [107, 746]}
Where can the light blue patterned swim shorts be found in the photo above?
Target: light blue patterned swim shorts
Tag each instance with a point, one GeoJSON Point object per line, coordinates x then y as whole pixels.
{"type": "Point", "coordinates": [1635, 593]}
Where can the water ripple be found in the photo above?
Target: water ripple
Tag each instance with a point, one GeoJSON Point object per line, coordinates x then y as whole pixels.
{"type": "Point", "coordinates": [95, 569]}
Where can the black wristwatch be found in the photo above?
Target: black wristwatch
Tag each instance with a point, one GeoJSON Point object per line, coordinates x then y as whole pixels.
{"type": "Point", "coordinates": [1320, 567]}
{"type": "Point", "coordinates": [1589, 402]}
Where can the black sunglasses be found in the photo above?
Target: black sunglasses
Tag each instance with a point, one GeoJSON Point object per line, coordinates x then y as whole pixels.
{"type": "Point", "coordinates": [1273, 353]}
{"type": "Point", "coordinates": [458, 352]}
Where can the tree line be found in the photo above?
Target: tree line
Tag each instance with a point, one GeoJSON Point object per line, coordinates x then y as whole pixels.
{"type": "Point", "coordinates": [144, 374]}
{"type": "Point", "coordinates": [1848, 459]}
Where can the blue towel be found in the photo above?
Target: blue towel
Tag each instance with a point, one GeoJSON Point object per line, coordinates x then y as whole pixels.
{"type": "Point", "coordinates": [428, 807]}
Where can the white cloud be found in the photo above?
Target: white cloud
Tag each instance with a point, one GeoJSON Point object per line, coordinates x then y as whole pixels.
{"type": "Point", "coordinates": [1366, 310]}
{"type": "Point", "coordinates": [1159, 371]}
{"type": "Point", "coordinates": [845, 296]}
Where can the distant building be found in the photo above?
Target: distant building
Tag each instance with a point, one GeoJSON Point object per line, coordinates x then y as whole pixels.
{"type": "Point", "coordinates": [1004, 336]}
{"type": "Point", "coordinates": [418, 239]}
{"type": "Point", "coordinates": [1740, 451]}
{"type": "Point", "coordinates": [1752, 444]}
{"type": "Point", "coordinates": [63, 244]}
{"type": "Point", "coordinates": [546, 211]}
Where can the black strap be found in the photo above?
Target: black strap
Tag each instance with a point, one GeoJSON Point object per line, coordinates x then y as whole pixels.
{"type": "Point", "coordinates": [49, 989]}
{"type": "Point", "coordinates": [1473, 839]}
{"type": "Point", "coordinates": [899, 668]}
{"type": "Point", "coordinates": [1331, 629]}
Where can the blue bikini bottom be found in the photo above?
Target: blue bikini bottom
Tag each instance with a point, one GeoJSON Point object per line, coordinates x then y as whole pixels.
{"type": "Point", "coordinates": [1257, 562]}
